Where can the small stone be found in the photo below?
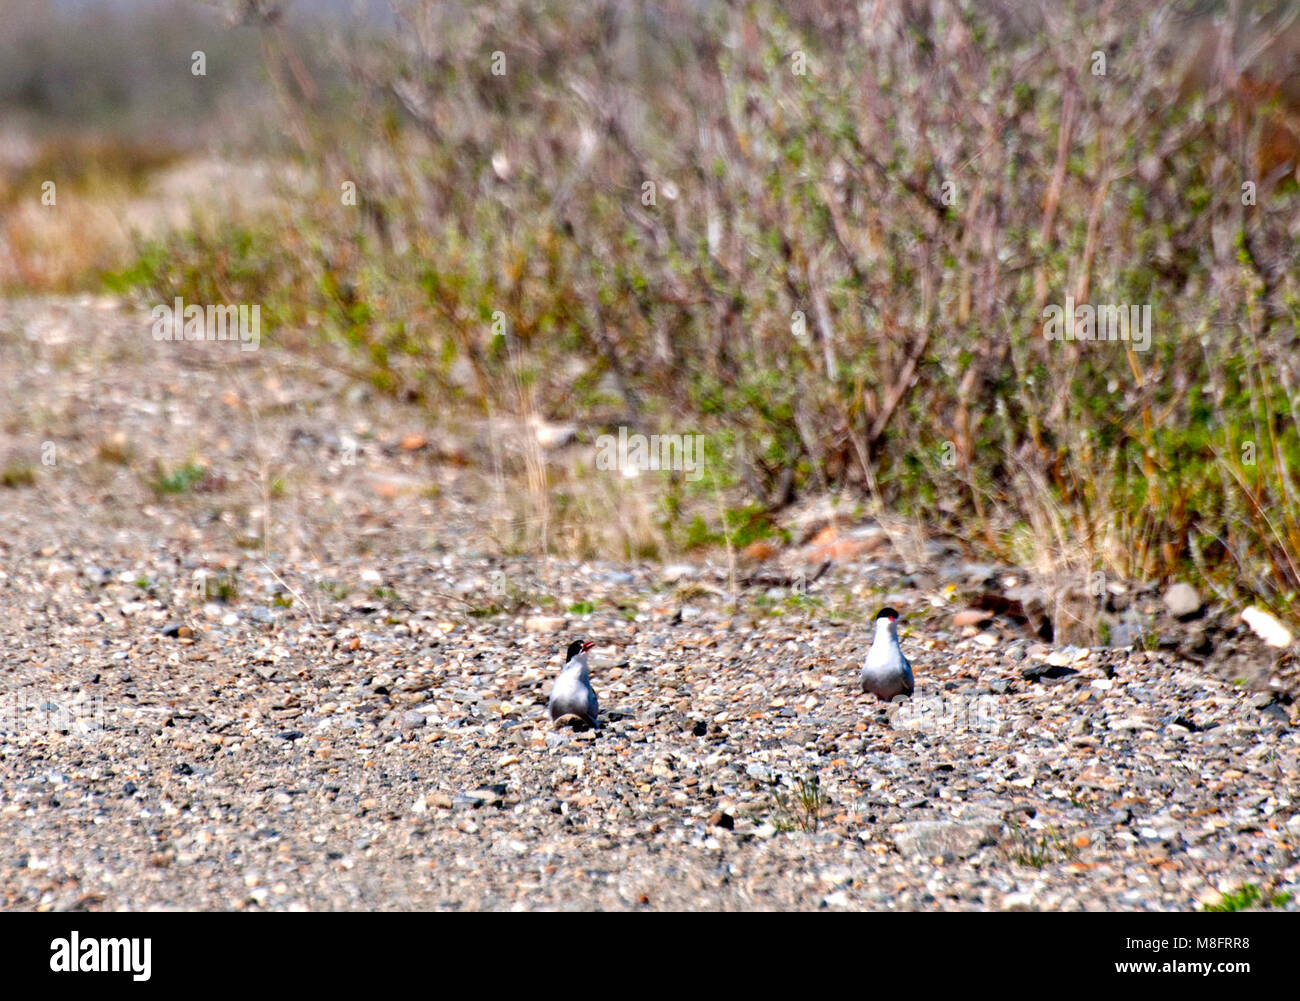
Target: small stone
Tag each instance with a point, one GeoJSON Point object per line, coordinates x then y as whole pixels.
{"type": "Point", "coordinates": [1125, 634]}
{"type": "Point", "coordinates": [551, 435]}
{"type": "Point", "coordinates": [1036, 672]}
{"type": "Point", "coordinates": [723, 819]}
{"type": "Point", "coordinates": [96, 575]}
{"type": "Point", "coordinates": [1277, 714]}
{"type": "Point", "coordinates": [1182, 601]}
{"type": "Point", "coordinates": [412, 720]}
{"type": "Point", "coordinates": [759, 773]}
{"type": "Point", "coordinates": [1209, 897]}
{"type": "Point", "coordinates": [971, 617]}
{"type": "Point", "coordinates": [1267, 627]}
{"type": "Point", "coordinates": [544, 623]}
{"type": "Point", "coordinates": [489, 795]}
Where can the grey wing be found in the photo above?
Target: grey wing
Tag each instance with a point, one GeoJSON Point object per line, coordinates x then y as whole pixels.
{"type": "Point", "coordinates": [593, 708]}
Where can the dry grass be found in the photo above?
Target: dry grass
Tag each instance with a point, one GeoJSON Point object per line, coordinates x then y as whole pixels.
{"type": "Point", "coordinates": [784, 194]}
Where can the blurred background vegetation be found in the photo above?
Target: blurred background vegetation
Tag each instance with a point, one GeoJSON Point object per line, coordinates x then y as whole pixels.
{"type": "Point", "coordinates": [821, 234]}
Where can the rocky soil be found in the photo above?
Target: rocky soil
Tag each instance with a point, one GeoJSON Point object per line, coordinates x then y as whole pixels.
{"type": "Point", "coordinates": [241, 670]}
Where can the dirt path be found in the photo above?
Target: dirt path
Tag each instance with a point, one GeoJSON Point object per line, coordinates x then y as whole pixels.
{"type": "Point", "coordinates": [242, 670]}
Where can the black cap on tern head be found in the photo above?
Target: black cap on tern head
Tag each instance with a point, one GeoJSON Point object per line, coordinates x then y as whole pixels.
{"type": "Point", "coordinates": [577, 647]}
{"type": "Point", "coordinates": [887, 613]}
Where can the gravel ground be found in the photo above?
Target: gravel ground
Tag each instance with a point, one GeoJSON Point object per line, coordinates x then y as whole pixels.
{"type": "Point", "coordinates": [299, 683]}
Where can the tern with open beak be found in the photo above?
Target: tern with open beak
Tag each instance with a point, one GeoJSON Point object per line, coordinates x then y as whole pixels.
{"type": "Point", "coordinates": [572, 694]}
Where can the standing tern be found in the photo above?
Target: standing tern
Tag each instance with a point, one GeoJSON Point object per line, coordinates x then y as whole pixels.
{"type": "Point", "coordinates": [572, 694]}
{"type": "Point", "coordinates": [886, 673]}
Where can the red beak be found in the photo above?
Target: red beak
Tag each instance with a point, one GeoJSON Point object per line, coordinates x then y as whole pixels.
{"type": "Point", "coordinates": [587, 645]}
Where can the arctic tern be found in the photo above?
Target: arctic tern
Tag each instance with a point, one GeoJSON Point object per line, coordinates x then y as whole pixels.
{"type": "Point", "coordinates": [572, 694]}
{"type": "Point", "coordinates": [886, 672]}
